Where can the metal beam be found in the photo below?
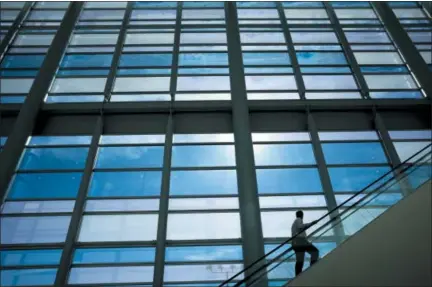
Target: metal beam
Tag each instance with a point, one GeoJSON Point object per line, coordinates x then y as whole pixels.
{"type": "Point", "coordinates": [325, 178]}
{"type": "Point", "coordinates": [13, 30]}
{"type": "Point", "coordinates": [166, 173]}
{"type": "Point", "coordinates": [291, 51]}
{"type": "Point", "coordinates": [408, 50]}
{"type": "Point", "coordinates": [364, 89]}
{"type": "Point", "coordinates": [250, 216]}
{"type": "Point", "coordinates": [29, 110]}
{"type": "Point", "coordinates": [67, 253]}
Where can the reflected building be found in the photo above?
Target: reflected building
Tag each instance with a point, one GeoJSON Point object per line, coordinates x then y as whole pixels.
{"type": "Point", "coordinates": [170, 143]}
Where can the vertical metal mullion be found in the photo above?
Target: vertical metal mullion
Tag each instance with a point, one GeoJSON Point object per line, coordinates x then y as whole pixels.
{"type": "Point", "coordinates": [364, 89]}
{"type": "Point", "coordinates": [390, 150]}
{"type": "Point", "coordinates": [13, 30]}
{"type": "Point", "coordinates": [30, 108]}
{"type": "Point", "coordinates": [406, 47]}
{"type": "Point", "coordinates": [292, 53]}
{"type": "Point", "coordinates": [250, 216]}
{"type": "Point", "coordinates": [158, 276]}
{"type": "Point", "coordinates": [325, 177]}
{"type": "Point", "coordinates": [66, 258]}
{"type": "Point", "coordinates": [117, 52]}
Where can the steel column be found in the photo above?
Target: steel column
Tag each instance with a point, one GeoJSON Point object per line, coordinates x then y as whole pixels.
{"type": "Point", "coordinates": [250, 217]}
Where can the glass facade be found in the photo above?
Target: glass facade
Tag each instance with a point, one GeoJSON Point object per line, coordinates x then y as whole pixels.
{"type": "Point", "coordinates": [173, 142]}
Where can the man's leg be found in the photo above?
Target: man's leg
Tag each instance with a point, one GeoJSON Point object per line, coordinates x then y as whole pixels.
{"type": "Point", "coordinates": [299, 252]}
{"type": "Point", "coordinates": [313, 251]}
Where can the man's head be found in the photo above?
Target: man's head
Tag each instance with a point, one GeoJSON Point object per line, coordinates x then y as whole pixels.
{"type": "Point", "coordinates": [299, 214]}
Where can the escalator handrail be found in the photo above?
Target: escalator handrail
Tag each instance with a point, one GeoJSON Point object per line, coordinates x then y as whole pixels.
{"type": "Point", "coordinates": [325, 215]}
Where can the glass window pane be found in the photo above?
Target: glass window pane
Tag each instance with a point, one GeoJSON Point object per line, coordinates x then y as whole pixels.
{"type": "Point", "coordinates": [131, 156]}
{"type": "Point", "coordinates": [59, 140]}
{"type": "Point", "coordinates": [292, 201]}
{"type": "Point", "coordinates": [300, 180]}
{"type": "Point", "coordinates": [329, 82]}
{"type": "Point", "coordinates": [143, 38]}
{"type": "Point", "coordinates": [30, 257]}
{"type": "Point", "coordinates": [15, 86]}
{"type": "Point", "coordinates": [122, 205]}
{"type": "Point", "coordinates": [74, 61]}
{"type": "Point", "coordinates": [147, 84]}
{"type": "Point", "coordinates": [270, 83]}
{"type": "Point", "coordinates": [257, 13]}
{"type": "Point", "coordinates": [203, 83]}
{"type": "Point", "coordinates": [203, 253]}
{"type": "Point", "coordinates": [45, 185]}
{"type": "Point", "coordinates": [46, 15]}
{"type": "Point", "coordinates": [94, 39]}
{"type": "Point", "coordinates": [390, 82]}
{"type": "Point", "coordinates": [22, 61]}
{"type": "Point", "coordinates": [33, 40]}
{"type": "Point", "coordinates": [113, 255]}
{"type": "Point", "coordinates": [92, 4]}
{"type": "Point", "coordinates": [199, 156]}
{"type": "Point", "coordinates": [100, 275]}
{"type": "Point", "coordinates": [278, 223]}
{"type": "Point", "coordinates": [203, 182]}
{"type": "Point", "coordinates": [27, 277]}
{"type": "Point", "coordinates": [15, 207]}
{"type": "Point", "coordinates": [265, 59]}
{"type": "Point", "coordinates": [203, 226]}
{"type": "Point", "coordinates": [203, 203]}
{"type": "Point", "coordinates": [406, 150]}
{"type": "Point", "coordinates": [305, 13]}
{"type": "Point", "coordinates": [353, 179]}
{"type": "Point", "coordinates": [346, 136]}
{"type": "Point", "coordinates": [279, 154]}
{"type": "Point", "coordinates": [203, 138]}
{"type": "Point", "coordinates": [124, 184]}
{"type": "Point", "coordinates": [47, 229]}
{"type": "Point", "coordinates": [408, 13]}
{"type": "Point", "coordinates": [153, 14]}
{"type": "Point", "coordinates": [350, 153]}
{"type": "Point", "coordinates": [203, 13]}
{"type": "Point", "coordinates": [367, 37]}
{"type": "Point", "coordinates": [355, 13]}
{"type": "Point", "coordinates": [106, 228]}
{"type": "Point", "coordinates": [205, 272]}
{"type": "Point", "coordinates": [317, 58]}
{"type": "Point", "coordinates": [201, 38]}
{"type": "Point", "coordinates": [132, 139]}
{"type": "Point", "coordinates": [102, 14]}
{"type": "Point", "coordinates": [419, 134]}
{"type": "Point", "coordinates": [375, 58]}
{"type": "Point", "coordinates": [279, 137]}
{"type": "Point", "coordinates": [134, 60]}
{"type": "Point", "coordinates": [203, 59]}
{"type": "Point", "coordinates": [314, 37]}
{"type": "Point", "coordinates": [271, 37]}
{"type": "Point", "coordinates": [54, 158]}
{"type": "Point", "coordinates": [78, 85]}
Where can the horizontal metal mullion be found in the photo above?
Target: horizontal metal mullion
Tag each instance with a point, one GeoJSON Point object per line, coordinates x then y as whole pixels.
{"type": "Point", "coordinates": [39, 199]}
{"type": "Point", "coordinates": [291, 194]}
{"type": "Point", "coordinates": [198, 211]}
{"type": "Point", "coordinates": [204, 262]}
{"type": "Point", "coordinates": [196, 168]}
{"type": "Point", "coordinates": [131, 144]}
{"type": "Point", "coordinates": [55, 146]}
{"type": "Point", "coordinates": [31, 246]}
{"type": "Point", "coordinates": [286, 166]}
{"type": "Point", "coordinates": [135, 283]}
{"type": "Point", "coordinates": [282, 209]}
{"type": "Point", "coordinates": [36, 214]}
{"type": "Point", "coordinates": [348, 165]}
{"type": "Point", "coordinates": [125, 244]}
{"type": "Point", "coordinates": [203, 143]}
{"type": "Point", "coordinates": [119, 169]}
{"type": "Point", "coordinates": [125, 212]}
{"type": "Point", "coordinates": [202, 196]}
{"type": "Point", "coordinates": [116, 264]}
{"type": "Point", "coordinates": [102, 198]}
{"type": "Point", "coordinates": [279, 240]}
{"type": "Point", "coordinates": [48, 170]}
{"type": "Point", "coordinates": [28, 267]}
{"type": "Point", "coordinates": [207, 242]}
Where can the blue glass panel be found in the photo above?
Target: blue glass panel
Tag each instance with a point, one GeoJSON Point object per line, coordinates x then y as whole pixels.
{"type": "Point", "coordinates": [420, 175]}
{"type": "Point", "coordinates": [355, 178]}
{"type": "Point", "coordinates": [323, 247]}
{"type": "Point", "coordinates": [12, 100]}
{"type": "Point", "coordinates": [325, 70]}
{"type": "Point", "coordinates": [203, 182]}
{"type": "Point", "coordinates": [47, 229]}
{"type": "Point", "coordinates": [283, 154]}
{"type": "Point", "coordinates": [265, 59]}
{"type": "Point", "coordinates": [346, 153]}
{"type": "Point", "coordinates": [396, 95]}
{"type": "Point", "coordinates": [59, 140]}
{"type": "Point", "coordinates": [74, 61]}
{"type": "Point", "coordinates": [54, 158]}
{"type": "Point", "coordinates": [143, 72]}
{"type": "Point", "coordinates": [134, 60]}
{"type": "Point", "coordinates": [198, 156]}
{"type": "Point", "coordinates": [367, 37]}
{"type": "Point", "coordinates": [131, 156]}
{"type": "Point", "coordinates": [30, 257]}
{"type": "Point", "coordinates": [317, 58]}
{"type": "Point", "coordinates": [154, 4]}
{"type": "Point", "coordinates": [402, 3]}
{"type": "Point", "coordinates": [288, 180]}
{"type": "Point", "coordinates": [98, 72]}
{"type": "Point", "coordinates": [204, 253]}
{"type": "Point", "coordinates": [272, 70]}
{"type": "Point", "coordinates": [381, 199]}
{"type": "Point", "coordinates": [74, 99]}
{"type": "Point", "coordinates": [214, 4]}
{"type": "Point", "coordinates": [384, 69]}
{"type": "Point", "coordinates": [203, 59]}
{"type": "Point", "coordinates": [101, 275]}
{"type": "Point", "coordinates": [19, 73]}
{"type": "Point", "coordinates": [318, 48]}
{"type": "Point", "coordinates": [28, 277]}
{"type": "Point", "coordinates": [222, 71]}
{"type": "Point", "coordinates": [302, 4]}
{"type": "Point", "coordinates": [45, 185]}
{"type": "Point", "coordinates": [22, 61]}
{"type": "Point", "coordinates": [113, 255]}
{"type": "Point", "coordinates": [411, 134]}
{"type": "Point", "coordinates": [124, 184]}
{"type": "Point", "coordinates": [350, 4]}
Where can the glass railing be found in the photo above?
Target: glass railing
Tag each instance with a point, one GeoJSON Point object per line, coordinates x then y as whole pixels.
{"type": "Point", "coordinates": [277, 267]}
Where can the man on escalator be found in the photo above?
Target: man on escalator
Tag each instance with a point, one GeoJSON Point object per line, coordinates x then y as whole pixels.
{"type": "Point", "coordinates": [300, 243]}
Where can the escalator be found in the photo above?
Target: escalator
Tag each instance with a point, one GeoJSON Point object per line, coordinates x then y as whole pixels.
{"type": "Point", "coordinates": [276, 268]}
